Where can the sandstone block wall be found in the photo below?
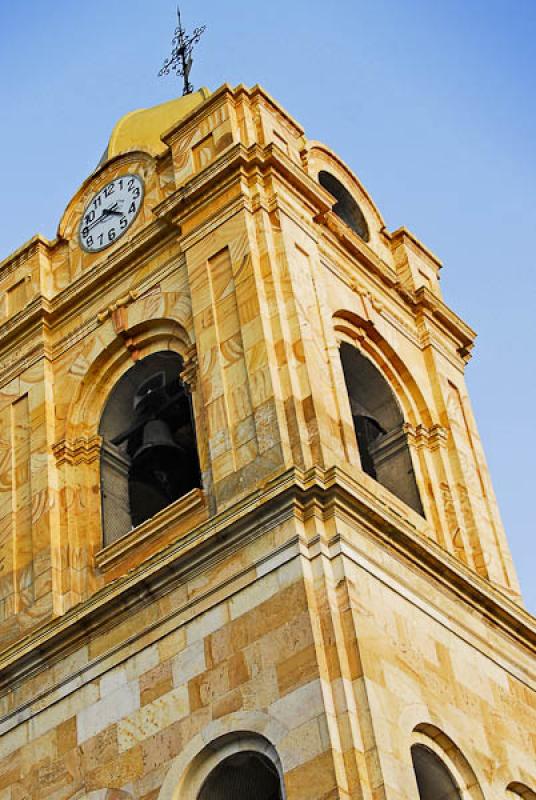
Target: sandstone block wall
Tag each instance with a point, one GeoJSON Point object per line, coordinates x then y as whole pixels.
{"type": "Point", "coordinates": [291, 599]}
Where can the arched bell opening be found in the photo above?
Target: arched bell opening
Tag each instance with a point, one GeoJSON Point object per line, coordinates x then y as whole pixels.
{"type": "Point", "coordinates": [248, 775]}
{"type": "Point", "coordinates": [516, 790]}
{"type": "Point", "coordinates": [434, 780]}
{"type": "Point", "coordinates": [379, 427]}
{"type": "Point", "coordinates": [149, 455]}
{"type": "Point", "coordinates": [346, 208]}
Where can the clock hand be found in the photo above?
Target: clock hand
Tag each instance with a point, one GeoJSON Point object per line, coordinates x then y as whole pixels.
{"type": "Point", "coordinates": [105, 212]}
{"type": "Point", "coordinates": [95, 222]}
{"type": "Point", "coordinates": [110, 210]}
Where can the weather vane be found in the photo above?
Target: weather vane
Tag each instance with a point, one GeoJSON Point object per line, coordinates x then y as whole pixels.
{"type": "Point", "coordinates": [181, 55]}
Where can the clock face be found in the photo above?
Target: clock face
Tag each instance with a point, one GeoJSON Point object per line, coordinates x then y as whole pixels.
{"type": "Point", "coordinates": [110, 213]}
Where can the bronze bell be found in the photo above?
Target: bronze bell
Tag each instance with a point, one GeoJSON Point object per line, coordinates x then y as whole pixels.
{"type": "Point", "coordinates": [155, 474]}
{"type": "Point", "coordinates": [156, 437]}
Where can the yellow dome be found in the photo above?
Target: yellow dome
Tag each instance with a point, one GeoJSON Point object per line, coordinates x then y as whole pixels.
{"type": "Point", "coordinates": [142, 129]}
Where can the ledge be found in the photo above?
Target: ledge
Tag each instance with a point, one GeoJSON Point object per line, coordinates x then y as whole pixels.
{"type": "Point", "coordinates": [352, 243]}
{"type": "Point", "coordinates": [23, 253]}
{"type": "Point", "coordinates": [293, 493]}
{"type": "Point", "coordinates": [404, 236]}
{"type": "Point", "coordinates": [456, 327]}
{"type": "Point", "coordinates": [176, 518]}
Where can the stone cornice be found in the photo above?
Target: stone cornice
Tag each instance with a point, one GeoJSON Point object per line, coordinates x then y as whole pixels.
{"type": "Point", "coordinates": [20, 359]}
{"type": "Point", "coordinates": [258, 91]}
{"type": "Point", "coordinates": [233, 95]}
{"type": "Point", "coordinates": [154, 236]}
{"type": "Point", "coordinates": [137, 292]}
{"type": "Point", "coordinates": [214, 180]}
{"type": "Point", "coordinates": [427, 303]}
{"type": "Point", "coordinates": [292, 493]}
{"type": "Point", "coordinates": [24, 253]}
{"type": "Point", "coordinates": [23, 339]}
{"type": "Point", "coordinates": [407, 237]}
{"type": "Point", "coordinates": [233, 161]}
{"type": "Point", "coordinates": [191, 120]}
{"type": "Point", "coordinates": [237, 158]}
{"type": "Point", "coordinates": [352, 243]}
{"type": "Point", "coordinates": [32, 316]}
{"type": "Point", "coordinates": [44, 312]}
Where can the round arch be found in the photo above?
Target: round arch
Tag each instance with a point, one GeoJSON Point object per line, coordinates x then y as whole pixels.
{"type": "Point", "coordinates": [516, 790]}
{"type": "Point", "coordinates": [149, 450]}
{"type": "Point", "coordinates": [245, 732]}
{"type": "Point", "coordinates": [78, 450]}
{"type": "Point", "coordinates": [402, 466]}
{"type": "Point", "coordinates": [351, 328]}
{"type": "Point", "coordinates": [346, 206]}
{"type": "Point", "coordinates": [321, 157]}
{"type": "Point", "coordinates": [429, 738]}
{"type": "Point", "coordinates": [112, 362]}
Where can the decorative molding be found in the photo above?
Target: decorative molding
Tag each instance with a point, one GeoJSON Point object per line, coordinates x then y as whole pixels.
{"type": "Point", "coordinates": [86, 288]}
{"type": "Point", "coordinates": [20, 360]}
{"type": "Point", "coordinates": [355, 246]}
{"type": "Point", "coordinates": [121, 302]}
{"type": "Point", "coordinates": [24, 253]}
{"type": "Point", "coordinates": [432, 438]}
{"type": "Point", "coordinates": [189, 373]}
{"type": "Point", "coordinates": [118, 312]}
{"type": "Point", "coordinates": [366, 294]}
{"type": "Point", "coordinates": [144, 289]}
{"type": "Point", "coordinates": [83, 450]}
{"type": "Point", "coordinates": [292, 493]}
{"type": "Point", "coordinates": [428, 304]}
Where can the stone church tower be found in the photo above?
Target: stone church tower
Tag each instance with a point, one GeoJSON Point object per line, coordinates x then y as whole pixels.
{"type": "Point", "coordinates": [249, 546]}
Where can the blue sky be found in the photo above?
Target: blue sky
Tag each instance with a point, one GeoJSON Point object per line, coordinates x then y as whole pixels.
{"type": "Point", "coordinates": [430, 103]}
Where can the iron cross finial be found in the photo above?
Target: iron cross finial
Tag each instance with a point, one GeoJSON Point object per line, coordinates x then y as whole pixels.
{"type": "Point", "coordinates": [181, 55]}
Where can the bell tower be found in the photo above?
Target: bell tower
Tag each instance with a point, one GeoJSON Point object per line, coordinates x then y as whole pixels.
{"type": "Point", "coordinates": [249, 544]}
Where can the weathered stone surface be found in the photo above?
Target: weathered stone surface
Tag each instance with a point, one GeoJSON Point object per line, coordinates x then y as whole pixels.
{"type": "Point", "coordinates": [294, 605]}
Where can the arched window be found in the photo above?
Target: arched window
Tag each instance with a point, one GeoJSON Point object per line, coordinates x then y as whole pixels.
{"type": "Point", "coordinates": [379, 427]}
{"type": "Point", "coordinates": [434, 780]}
{"type": "Point", "coordinates": [149, 455]}
{"type": "Point", "coordinates": [516, 790]}
{"type": "Point", "coordinates": [346, 207]}
{"type": "Point", "coordinates": [247, 775]}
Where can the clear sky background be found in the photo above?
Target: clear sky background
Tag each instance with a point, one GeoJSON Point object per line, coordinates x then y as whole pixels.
{"type": "Point", "coordinates": [430, 103]}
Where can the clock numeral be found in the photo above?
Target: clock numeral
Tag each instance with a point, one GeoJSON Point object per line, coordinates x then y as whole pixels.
{"type": "Point", "coordinates": [95, 230]}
